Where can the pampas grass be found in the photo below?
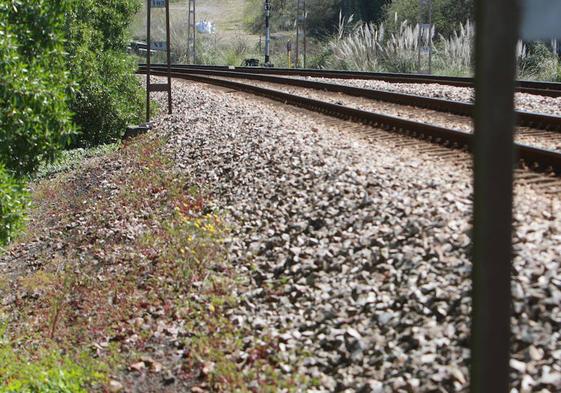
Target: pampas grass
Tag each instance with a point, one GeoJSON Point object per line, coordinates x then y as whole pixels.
{"type": "Point", "coordinates": [369, 47]}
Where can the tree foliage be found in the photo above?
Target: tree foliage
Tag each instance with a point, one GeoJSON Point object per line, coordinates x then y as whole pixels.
{"type": "Point", "coordinates": [34, 118]}
{"type": "Point", "coordinates": [446, 14]}
{"type": "Point", "coordinates": [107, 96]}
{"type": "Point", "coordinates": [322, 15]}
{"type": "Point", "coordinates": [364, 10]}
{"type": "Point", "coordinates": [64, 78]}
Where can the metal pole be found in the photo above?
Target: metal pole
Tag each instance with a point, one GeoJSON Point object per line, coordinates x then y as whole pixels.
{"type": "Point", "coordinates": [148, 11]}
{"type": "Point", "coordinates": [288, 52]}
{"type": "Point", "coordinates": [419, 36]}
{"type": "Point", "coordinates": [304, 32]}
{"type": "Point", "coordinates": [191, 31]}
{"type": "Point", "coordinates": [267, 32]}
{"type": "Point", "coordinates": [168, 45]}
{"type": "Point", "coordinates": [297, 49]}
{"type": "Point", "coordinates": [430, 37]}
{"type": "Point", "coordinates": [496, 35]}
{"type": "Point", "coordinates": [194, 32]}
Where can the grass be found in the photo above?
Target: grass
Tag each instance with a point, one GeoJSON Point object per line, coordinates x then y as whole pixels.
{"type": "Point", "coordinates": [47, 372]}
{"type": "Point", "coordinates": [71, 159]}
{"type": "Point", "coordinates": [231, 44]}
{"type": "Point", "coordinates": [369, 47]}
{"type": "Point", "coordinates": [111, 258]}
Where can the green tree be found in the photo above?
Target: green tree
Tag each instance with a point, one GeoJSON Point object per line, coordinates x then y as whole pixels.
{"type": "Point", "coordinates": [446, 14]}
{"type": "Point", "coordinates": [323, 15]}
{"type": "Point", "coordinates": [364, 10]}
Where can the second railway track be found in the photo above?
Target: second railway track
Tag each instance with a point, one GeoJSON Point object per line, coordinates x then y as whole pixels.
{"type": "Point", "coordinates": [551, 89]}
{"type": "Point", "coordinates": [533, 157]}
{"type": "Point", "coordinates": [524, 118]}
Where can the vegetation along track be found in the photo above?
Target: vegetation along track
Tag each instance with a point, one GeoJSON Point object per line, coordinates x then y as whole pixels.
{"type": "Point", "coordinates": [533, 157]}
{"type": "Point", "coordinates": [550, 89]}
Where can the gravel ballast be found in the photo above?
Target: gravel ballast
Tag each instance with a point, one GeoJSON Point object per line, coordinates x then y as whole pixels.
{"type": "Point", "coordinates": [356, 253]}
{"type": "Point", "coordinates": [524, 102]}
{"type": "Point", "coordinates": [539, 138]}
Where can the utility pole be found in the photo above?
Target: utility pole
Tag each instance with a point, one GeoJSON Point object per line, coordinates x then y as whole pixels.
{"type": "Point", "coordinates": [191, 30]}
{"type": "Point", "coordinates": [267, 32]}
{"type": "Point", "coordinates": [430, 37]}
{"type": "Point", "coordinates": [495, 71]}
{"type": "Point", "coordinates": [301, 16]}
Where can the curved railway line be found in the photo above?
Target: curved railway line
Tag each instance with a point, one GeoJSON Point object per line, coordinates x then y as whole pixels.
{"type": "Point", "coordinates": [550, 89]}
{"type": "Point", "coordinates": [534, 157]}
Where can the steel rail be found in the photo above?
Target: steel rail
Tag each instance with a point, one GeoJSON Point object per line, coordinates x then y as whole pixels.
{"type": "Point", "coordinates": [551, 89]}
{"type": "Point", "coordinates": [535, 158]}
{"type": "Point", "coordinates": [523, 118]}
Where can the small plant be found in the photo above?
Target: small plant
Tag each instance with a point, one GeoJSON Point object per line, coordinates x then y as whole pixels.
{"type": "Point", "coordinates": [455, 54]}
{"type": "Point", "coordinates": [400, 51]}
{"type": "Point", "coordinates": [13, 204]}
{"type": "Point", "coordinates": [49, 372]}
{"type": "Point", "coordinates": [536, 61]}
{"type": "Point", "coordinates": [367, 47]}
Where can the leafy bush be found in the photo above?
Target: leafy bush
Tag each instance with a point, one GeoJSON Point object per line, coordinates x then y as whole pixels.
{"type": "Point", "coordinates": [13, 202]}
{"type": "Point", "coordinates": [107, 99]}
{"type": "Point", "coordinates": [536, 61]}
{"type": "Point", "coordinates": [35, 121]}
{"type": "Point", "coordinates": [107, 96]}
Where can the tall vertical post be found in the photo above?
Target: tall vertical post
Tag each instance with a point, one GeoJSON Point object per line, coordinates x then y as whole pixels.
{"type": "Point", "coordinates": [288, 54]}
{"type": "Point", "coordinates": [419, 41]}
{"type": "Point", "coordinates": [150, 87]}
{"type": "Point", "coordinates": [496, 36]}
{"type": "Point", "coordinates": [430, 37]}
{"type": "Point", "coordinates": [191, 31]}
{"type": "Point", "coordinates": [300, 33]}
{"type": "Point", "coordinates": [297, 47]}
{"type": "Point", "coordinates": [148, 52]}
{"type": "Point", "coordinates": [168, 48]}
{"type": "Point", "coordinates": [267, 32]}
{"type": "Point", "coordinates": [305, 16]}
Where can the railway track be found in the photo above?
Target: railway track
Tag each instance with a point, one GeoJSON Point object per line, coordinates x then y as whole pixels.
{"type": "Point", "coordinates": [523, 118]}
{"type": "Point", "coordinates": [532, 157]}
{"type": "Point", "coordinates": [550, 89]}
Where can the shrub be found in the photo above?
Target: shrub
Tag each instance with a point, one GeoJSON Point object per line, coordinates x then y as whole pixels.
{"type": "Point", "coordinates": [455, 54]}
{"type": "Point", "coordinates": [536, 61]}
{"type": "Point", "coordinates": [367, 47]}
{"type": "Point", "coordinates": [13, 202]}
{"type": "Point", "coordinates": [400, 51]}
{"type": "Point", "coordinates": [107, 96]}
{"type": "Point", "coordinates": [107, 99]}
{"type": "Point", "coordinates": [446, 16]}
{"type": "Point", "coordinates": [35, 121]}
